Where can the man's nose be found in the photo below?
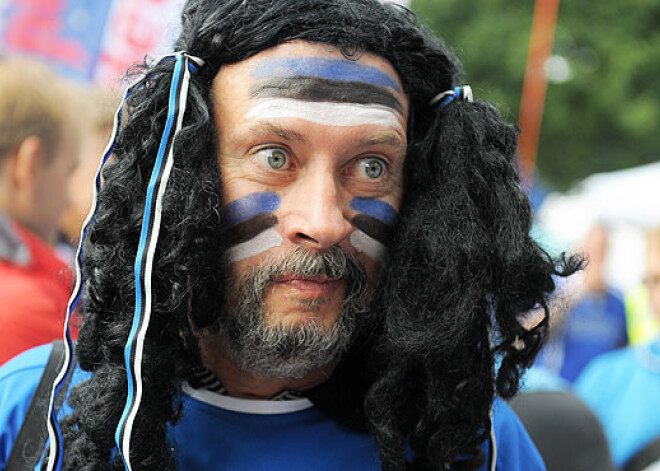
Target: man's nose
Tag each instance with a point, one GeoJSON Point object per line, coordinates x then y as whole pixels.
{"type": "Point", "coordinates": [314, 215]}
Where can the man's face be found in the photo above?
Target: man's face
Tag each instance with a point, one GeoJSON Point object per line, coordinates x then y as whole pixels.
{"type": "Point", "coordinates": [311, 151]}
{"type": "Point", "coordinates": [81, 189]}
{"type": "Point", "coordinates": [51, 187]}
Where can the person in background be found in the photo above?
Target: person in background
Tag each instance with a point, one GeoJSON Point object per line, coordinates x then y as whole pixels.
{"type": "Point", "coordinates": [95, 122]}
{"type": "Point", "coordinates": [623, 387]}
{"type": "Point", "coordinates": [38, 153]}
{"type": "Point", "coordinates": [595, 320]}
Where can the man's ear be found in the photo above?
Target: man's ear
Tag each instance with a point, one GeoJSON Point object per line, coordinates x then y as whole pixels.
{"type": "Point", "coordinates": [29, 157]}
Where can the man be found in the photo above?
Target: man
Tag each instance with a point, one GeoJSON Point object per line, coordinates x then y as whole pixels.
{"type": "Point", "coordinates": [596, 319]}
{"type": "Point", "coordinates": [37, 154]}
{"type": "Point", "coordinates": [323, 271]}
{"type": "Point", "coordinates": [95, 123]}
{"type": "Point", "coordinates": [622, 387]}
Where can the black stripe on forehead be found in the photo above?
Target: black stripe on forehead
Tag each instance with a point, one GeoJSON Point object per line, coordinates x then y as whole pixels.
{"type": "Point", "coordinates": [319, 89]}
{"type": "Point", "coordinates": [249, 229]}
{"type": "Point", "coordinates": [374, 228]}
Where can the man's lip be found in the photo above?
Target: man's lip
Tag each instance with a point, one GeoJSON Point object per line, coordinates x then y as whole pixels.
{"type": "Point", "coordinates": [310, 287]}
{"type": "Point", "coordinates": [310, 279]}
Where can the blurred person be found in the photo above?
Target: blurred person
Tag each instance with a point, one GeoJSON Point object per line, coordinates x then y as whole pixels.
{"type": "Point", "coordinates": [98, 105]}
{"type": "Point", "coordinates": [623, 387]}
{"type": "Point", "coordinates": [595, 320]}
{"type": "Point", "coordinates": [38, 153]}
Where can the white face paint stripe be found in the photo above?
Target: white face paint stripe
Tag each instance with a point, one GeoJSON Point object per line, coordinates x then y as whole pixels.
{"type": "Point", "coordinates": [329, 114]}
{"type": "Point", "coordinates": [258, 244]}
{"type": "Point", "coordinates": [369, 246]}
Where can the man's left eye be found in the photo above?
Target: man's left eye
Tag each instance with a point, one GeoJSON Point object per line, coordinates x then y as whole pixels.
{"type": "Point", "coordinates": [273, 158]}
{"type": "Point", "coordinates": [371, 167]}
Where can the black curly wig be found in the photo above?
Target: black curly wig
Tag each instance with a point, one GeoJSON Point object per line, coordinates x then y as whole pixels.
{"type": "Point", "coordinates": [463, 268]}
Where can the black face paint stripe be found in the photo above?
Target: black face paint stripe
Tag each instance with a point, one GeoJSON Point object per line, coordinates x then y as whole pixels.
{"type": "Point", "coordinates": [249, 229]}
{"type": "Point", "coordinates": [324, 90]}
{"type": "Point", "coordinates": [374, 228]}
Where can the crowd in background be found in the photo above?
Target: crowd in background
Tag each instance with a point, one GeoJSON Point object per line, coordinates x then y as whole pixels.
{"type": "Point", "coordinates": [591, 398]}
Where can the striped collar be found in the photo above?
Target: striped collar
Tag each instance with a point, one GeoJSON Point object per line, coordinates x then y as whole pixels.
{"type": "Point", "coordinates": [205, 387]}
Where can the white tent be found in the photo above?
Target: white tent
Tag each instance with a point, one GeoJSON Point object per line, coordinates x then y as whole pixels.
{"type": "Point", "coordinates": [628, 201]}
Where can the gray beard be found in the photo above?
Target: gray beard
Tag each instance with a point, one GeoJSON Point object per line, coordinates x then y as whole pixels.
{"type": "Point", "coordinates": [291, 351]}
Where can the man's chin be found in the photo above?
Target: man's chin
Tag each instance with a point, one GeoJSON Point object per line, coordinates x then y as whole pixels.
{"type": "Point", "coordinates": [304, 318]}
{"type": "Point", "coordinates": [291, 346]}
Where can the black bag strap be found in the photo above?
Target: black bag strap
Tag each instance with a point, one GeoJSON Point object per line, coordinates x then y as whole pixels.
{"type": "Point", "coordinates": [31, 439]}
{"type": "Point", "coordinates": [644, 457]}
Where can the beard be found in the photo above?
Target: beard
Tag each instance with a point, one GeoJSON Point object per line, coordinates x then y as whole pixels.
{"type": "Point", "coordinates": [278, 349]}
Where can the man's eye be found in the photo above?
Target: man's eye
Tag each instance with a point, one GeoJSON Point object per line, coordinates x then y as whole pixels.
{"type": "Point", "coordinates": [273, 158]}
{"type": "Point", "coordinates": [371, 167]}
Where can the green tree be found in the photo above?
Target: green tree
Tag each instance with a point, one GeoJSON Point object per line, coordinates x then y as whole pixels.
{"type": "Point", "coordinates": [604, 113]}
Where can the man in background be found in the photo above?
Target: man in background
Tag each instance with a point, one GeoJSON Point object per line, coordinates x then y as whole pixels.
{"type": "Point", "coordinates": [38, 153]}
{"type": "Point", "coordinates": [623, 387]}
{"type": "Point", "coordinates": [98, 107]}
{"type": "Point", "coordinates": [596, 319]}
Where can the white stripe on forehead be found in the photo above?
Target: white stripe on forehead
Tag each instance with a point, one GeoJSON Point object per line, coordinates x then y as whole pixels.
{"type": "Point", "coordinates": [369, 246]}
{"type": "Point", "coordinates": [258, 244]}
{"type": "Point", "coordinates": [328, 114]}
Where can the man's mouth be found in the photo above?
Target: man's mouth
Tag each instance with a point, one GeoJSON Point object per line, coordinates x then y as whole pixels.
{"type": "Point", "coordinates": [310, 286]}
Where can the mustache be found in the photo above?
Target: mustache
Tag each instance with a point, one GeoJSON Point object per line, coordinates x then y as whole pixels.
{"type": "Point", "coordinates": [333, 262]}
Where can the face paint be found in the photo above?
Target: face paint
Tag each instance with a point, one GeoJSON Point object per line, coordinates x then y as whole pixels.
{"type": "Point", "coordinates": [322, 90]}
{"type": "Point", "coordinates": [250, 225]}
{"type": "Point", "coordinates": [247, 207]}
{"type": "Point", "coordinates": [377, 209]}
{"type": "Point", "coordinates": [375, 227]}
{"type": "Point", "coordinates": [328, 114]}
{"type": "Point", "coordinates": [369, 246]}
{"type": "Point", "coordinates": [265, 241]}
{"type": "Point", "coordinates": [325, 68]}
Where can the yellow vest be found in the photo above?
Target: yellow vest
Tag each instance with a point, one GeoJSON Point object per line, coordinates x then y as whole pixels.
{"type": "Point", "coordinates": [642, 325]}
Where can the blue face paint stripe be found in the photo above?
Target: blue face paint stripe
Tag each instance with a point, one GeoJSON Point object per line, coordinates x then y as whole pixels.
{"type": "Point", "coordinates": [377, 209]}
{"type": "Point", "coordinates": [331, 69]}
{"type": "Point", "coordinates": [247, 207]}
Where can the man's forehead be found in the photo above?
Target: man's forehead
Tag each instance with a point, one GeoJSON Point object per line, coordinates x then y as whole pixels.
{"type": "Point", "coordinates": [316, 82]}
{"type": "Point", "coordinates": [327, 68]}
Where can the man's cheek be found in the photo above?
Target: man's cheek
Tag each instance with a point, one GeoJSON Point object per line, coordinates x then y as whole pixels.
{"type": "Point", "coordinates": [250, 225]}
{"type": "Point", "coordinates": [374, 227]}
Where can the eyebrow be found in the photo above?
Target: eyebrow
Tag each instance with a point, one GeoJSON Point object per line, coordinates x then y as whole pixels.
{"type": "Point", "coordinates": [388, 138]}
{"type": "Point", "coordinates": [324, 90]}
{"type": "Point", "coordinates": [270, 127]}
{"type": "Point", "coordinates": [321, 67]}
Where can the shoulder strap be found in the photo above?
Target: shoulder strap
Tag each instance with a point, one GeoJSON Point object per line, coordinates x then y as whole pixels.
{"type": "Point", "coordinates": [644, 457]}
{"type": "Point", "coordinates": [31, 438]}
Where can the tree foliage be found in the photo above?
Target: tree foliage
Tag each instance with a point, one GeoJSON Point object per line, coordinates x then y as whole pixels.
{"type": "Point", "coordinates": [605, 115]}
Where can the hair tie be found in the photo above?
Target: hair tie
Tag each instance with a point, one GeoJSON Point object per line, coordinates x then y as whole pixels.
{"type": "Point", "coordinates": [463, 93]}
{"type": "Point", "coordinates": [194, 62]}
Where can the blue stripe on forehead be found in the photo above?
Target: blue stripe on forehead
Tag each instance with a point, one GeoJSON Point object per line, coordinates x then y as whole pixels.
{"type": "Point", "coordinates": [377, 209]}
{"type": "Point", "coordinates": [247, 207]}
{"type": "Point", "coordinates": [322, 67]}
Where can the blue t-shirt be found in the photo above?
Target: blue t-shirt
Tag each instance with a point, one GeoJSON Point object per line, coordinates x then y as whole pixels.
{"type": "Point", "coordinates": [595, 325]}
{"type": "Point", "coordinates": [623, 389]}
{"type": "Point", "coordinates": [221, 432]}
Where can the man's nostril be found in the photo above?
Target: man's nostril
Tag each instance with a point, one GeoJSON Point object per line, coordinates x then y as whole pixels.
{"type": "Point", "coordinates": [300, 235]}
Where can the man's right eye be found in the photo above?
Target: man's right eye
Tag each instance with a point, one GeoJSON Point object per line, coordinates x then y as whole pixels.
{"type": "Point", "coordinates": [273, 158]}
